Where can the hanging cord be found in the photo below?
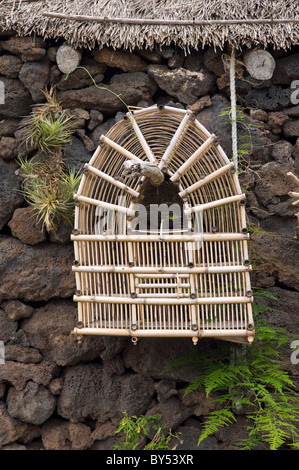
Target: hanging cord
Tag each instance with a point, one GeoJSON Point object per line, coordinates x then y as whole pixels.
{"type": "Point", "coordinates": [233, 107]}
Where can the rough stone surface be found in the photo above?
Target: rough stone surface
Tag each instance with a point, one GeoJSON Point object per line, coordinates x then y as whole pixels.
{"type": "Point", "coordinates": [19, 338]}
{"type": "Point", "coordinates": [49, 330]}
{"type": "Point", "coordinates": [17, 353]}
{"type": "Point", "coordinates": [108, 444]}
{"type": "Point", "coordinates": [26, 228]}
{"type": "Point", "coordinates": [18, 374]}
{"type": "Point", "coordinates": [177, 60]}
{"type": "Point", "coordinates": [291, 128]}
{"type": "Point", "coordinates": [104, 431]}
{"type": "Point", "coordinates": [61, 233]}
{"type": "Point", "coordinates": [88, 393]}
{"type": "Point", "coordinates": [61, 435]}
{"type": "Point", "coordinates": [35, 404]}
{"type": "Point", "coordinates": [203, 102]}
{"type": "Point", "coordinates": [101, 129]}
{"type": "Point", "coordinates": [251, 134]}
{"type": "Point", "coordinates": [80, 78]}
{"type": "Point", "coordinates": [23, 148]}
{"type": "Point", "coordinates": [17, 98]}
{"type": "Point", "coordinates": [165, 389]}
{"type": "Point", "coordinates": [35, 77]}
{"type": "Point", "coordinates": [8, 127]}
{"type": "Point", "coordinates": [277, 256]}
{"type": "Point", "coordinates": [272, 187]}
{"type": "Point", "coordinates": [213, 61]}
{"type": "Point", "coordinates": [7, 327]}
{"type": "Point", "coordinates": [88, 143]}
{"type": "Point", "coordinates": [28, 48]}
{"type": "Point", "coordinates": [234, 432]}
{"type": "Point", "coordinates": [55, 386]}
{"type": "Point", "coordinates": [96, 118]}
{"type": "Point", "coordinates": [124, 60]}
{"type": "Point", "coordinates": [275, 99]}
{"type": "Point", "coordinates": [282, 151]}
{"type": "Point", "coordinates": [138, 80]}
{"type": "Point", "coordinates": [79, 117]}
{"type": "Point", "coordinates": [10, 428]}
{"type": "Point", "coordinates": [284, 305]}
{"type": "Point", "coordinates": [10, 197]}
{"type": "Point", "coordinates": [194, 61]}
{"type": "Point", "coordinates": [276, 119]}
{"type": "Point", "coordinates": [190, 435]}
{"type": "Point", "coordinates": [10, 66]}
{"type": "Point", "coordinates": [7, 148]}
{"type": "Point", "coordinates": [35, 273]}
{"type": "Point", "coordinates": [181, 83]}
{"type": "Point", "coordinates": [292, 112]}
{"type": "Point", "coordinates": [151, 356]}
{"type": "Point", "coordinates": [172, 412]}
{"type": "Point", "coordinates": [197, 399]}
{"type": "Point", "coordinates": [286, 70]}
{"type": "Point", "coordinates": [75, 154]}
{"type": "Point", "coordinates": [99, 98]}
{"type": "Point", "coordinates": [16, 310]}
{"type": "Point", "coordinates": [211, 119]}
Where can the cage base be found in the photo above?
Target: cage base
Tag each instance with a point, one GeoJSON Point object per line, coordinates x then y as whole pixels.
{"type": "Point", "coordinates": [237, 336]}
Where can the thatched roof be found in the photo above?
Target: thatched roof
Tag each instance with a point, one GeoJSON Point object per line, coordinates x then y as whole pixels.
{"type": "Point", "coordinates": [178, 22]}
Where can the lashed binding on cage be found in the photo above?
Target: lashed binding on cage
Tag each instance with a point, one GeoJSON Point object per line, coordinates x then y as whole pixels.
{"type": "Point", "coordinates": [165, 256]}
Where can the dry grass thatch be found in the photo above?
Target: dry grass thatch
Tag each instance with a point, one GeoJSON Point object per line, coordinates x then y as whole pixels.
{"type": "Point", "coordinates": [27, 17]}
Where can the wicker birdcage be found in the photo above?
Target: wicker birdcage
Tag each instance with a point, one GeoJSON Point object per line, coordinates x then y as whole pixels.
{"type": "Point", "coordinates": [188, 277]}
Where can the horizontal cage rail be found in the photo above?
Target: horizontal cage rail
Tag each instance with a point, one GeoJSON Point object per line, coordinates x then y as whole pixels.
{"type": "Point", "coordinates": [170, 270]}
{"type": "Point", "coordinates": [161, 301]}
{"type": "Point", "coordinates": [171, 237]}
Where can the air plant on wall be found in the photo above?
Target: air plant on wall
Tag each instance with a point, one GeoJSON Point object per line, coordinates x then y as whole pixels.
{"type": "Point", "coordinates": [47, 185]}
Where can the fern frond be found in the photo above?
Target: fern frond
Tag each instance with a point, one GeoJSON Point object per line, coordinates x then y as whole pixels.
{"type": "Point", "coordinates": [214, 421]}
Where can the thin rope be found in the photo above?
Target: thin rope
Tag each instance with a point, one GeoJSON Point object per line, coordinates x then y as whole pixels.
{"type": "Point", "coordinates": [233, 108]}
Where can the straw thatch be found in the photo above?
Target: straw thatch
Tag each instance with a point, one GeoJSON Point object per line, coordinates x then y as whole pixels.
{"type": "Point", "coordinates": [28, 17]}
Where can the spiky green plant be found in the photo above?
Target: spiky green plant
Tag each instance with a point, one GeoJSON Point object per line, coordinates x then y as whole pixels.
{"type": "Point", "coordinates": [48, 128]}
{"type": "Point", "coordinates": [253, 376]}
{"type": "Point", "coordinates": [51, 196]}
{"type": "Point", "coordinates": [49, 133]}
{"type": "Point", "coordinates": [47, 186]}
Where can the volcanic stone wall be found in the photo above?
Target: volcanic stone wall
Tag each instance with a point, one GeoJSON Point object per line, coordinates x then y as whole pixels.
{"type": "Point", "coordinates": [55, 393]}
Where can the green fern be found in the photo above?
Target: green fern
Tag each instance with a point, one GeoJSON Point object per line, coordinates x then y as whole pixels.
{"type": "Point", "coordinates": [237, 376]}
{"type": "Point", "coordinates": [214, 421]}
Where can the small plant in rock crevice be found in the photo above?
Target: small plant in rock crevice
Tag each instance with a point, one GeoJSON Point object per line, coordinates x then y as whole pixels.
{"type": "Point", "coordinates": [137, 429]}
{"type": "Point", "coordinates": [48, 128]}
{"type": "Point", "coordinates": [47, 185]}
{"type": "Point", "coordinates": [245, 135]}
{"type": "Point", "coordinates": [50, 195]}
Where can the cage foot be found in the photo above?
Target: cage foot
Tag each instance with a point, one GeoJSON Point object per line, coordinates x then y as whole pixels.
{"type": "Point", "coordinates": [134, 340]}
{"type": "Point", "coordinates": [194, 340]}
{"type": "Point", "coordinates": [79, 339]}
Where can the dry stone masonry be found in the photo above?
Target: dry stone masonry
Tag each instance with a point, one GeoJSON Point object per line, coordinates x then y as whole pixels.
{"type": "Point", "coordinates": [55, 393]}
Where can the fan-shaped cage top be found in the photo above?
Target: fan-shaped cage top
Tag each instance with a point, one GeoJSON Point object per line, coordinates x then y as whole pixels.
{"type": "Point", "coordinates": [189, 278]}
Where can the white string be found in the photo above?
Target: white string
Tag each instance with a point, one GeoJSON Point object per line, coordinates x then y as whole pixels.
{"type": "Point", "coordinates": [233, 108]}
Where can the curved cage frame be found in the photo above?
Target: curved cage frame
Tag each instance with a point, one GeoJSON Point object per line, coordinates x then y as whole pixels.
{"type": "Point", "coordinates": [163, 282]}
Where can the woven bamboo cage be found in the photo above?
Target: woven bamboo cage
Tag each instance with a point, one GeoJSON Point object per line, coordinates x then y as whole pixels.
{"type": "Point", "coordinates": [189, 279]}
